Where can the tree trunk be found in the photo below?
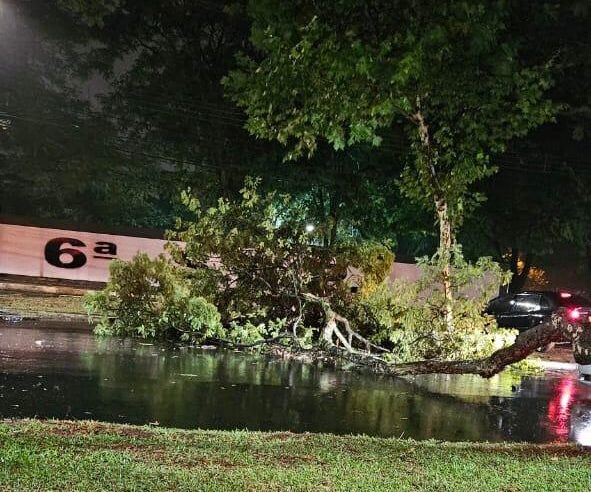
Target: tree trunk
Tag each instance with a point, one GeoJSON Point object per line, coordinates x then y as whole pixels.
{"type": "Point", "coordinates": [334, 226]}
{"type": "Point", "coordinates": [580, 337]}
{"type": "Point", "coordinates": [428, 161]}
{"type": "Point", "coordinates": [322, 216]}
{"type": "Point", "coordinates": [331, 329]}
{"type": "Point", "coordinates": [445, 250]}
{"type": "Point", "coordinates": [525, 344]}
{"type": "Point", "coordinates": [552, 330]}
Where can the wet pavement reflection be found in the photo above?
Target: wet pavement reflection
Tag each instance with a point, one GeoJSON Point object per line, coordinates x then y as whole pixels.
{"type": "Point", "coordinates": [65, 372]}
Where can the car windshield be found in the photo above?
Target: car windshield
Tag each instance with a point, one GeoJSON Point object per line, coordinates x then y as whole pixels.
{"type": "Point", "coordinates": [573, 300]}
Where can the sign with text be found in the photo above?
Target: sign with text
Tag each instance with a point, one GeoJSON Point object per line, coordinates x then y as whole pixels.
{"type": "Point", "coordinates": [85, 256]}
{"type": "Point", "coordinates": [72, 255]}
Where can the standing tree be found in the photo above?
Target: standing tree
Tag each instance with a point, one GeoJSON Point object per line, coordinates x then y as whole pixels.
{"type": "Point", "coordinates": [163, 62]}
{"type": "Point", "coordinates": [448, 72]}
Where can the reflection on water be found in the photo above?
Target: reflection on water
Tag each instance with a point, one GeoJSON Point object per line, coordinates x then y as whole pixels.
{"type": "Point", "coordinates": [580, 424]}
{"type": "Point", "coordinates": [559, 407]}
{"type": "Point", "coordinates": [71, 374]}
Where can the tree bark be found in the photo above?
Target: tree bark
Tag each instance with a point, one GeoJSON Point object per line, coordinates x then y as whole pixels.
{"type": "Point", "coordinates": [322, 215]}
{"type": "Point", "coordinates": [334, 225]}
{"type": "Point", "coordinates": [331, 329]}
{"type": "Point", "coordinates": [580, 337]}
{"type": "Point", "coordinates": [555, 329]}
{"type": "Point", "coordinates": [525, 344]}
{"type": "Point", "coordinates": [428, 159]}
{"type": "Point", "coordinates": [445, 250]}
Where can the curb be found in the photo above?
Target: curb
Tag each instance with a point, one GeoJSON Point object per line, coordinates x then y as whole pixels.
{"type": "Point", "coordinates": [43, 289]}
{"type": "Point", "coordinates": [16, 318]}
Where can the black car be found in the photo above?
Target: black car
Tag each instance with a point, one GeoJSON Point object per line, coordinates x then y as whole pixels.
{"type": "Point", "coordinates": [527, 309]}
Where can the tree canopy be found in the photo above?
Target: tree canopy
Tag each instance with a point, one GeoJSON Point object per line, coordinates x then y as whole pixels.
{"type": "Point", "coordinates": [162, 122]}
{"type": "Point", "coordinates": [448, 73]}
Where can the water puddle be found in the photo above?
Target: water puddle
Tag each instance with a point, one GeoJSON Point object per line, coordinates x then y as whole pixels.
{"type": "Point", "coordinates": [65, 372]}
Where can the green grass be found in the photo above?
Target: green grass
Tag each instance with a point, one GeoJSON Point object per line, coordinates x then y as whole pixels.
{"type": "Point", "coordinates": [90, 456]}
{"type": "Point", "coordinates": [32, 304]}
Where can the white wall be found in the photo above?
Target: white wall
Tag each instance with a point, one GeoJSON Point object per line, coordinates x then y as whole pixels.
{"type": "Point", "coordinates": [28, 251]}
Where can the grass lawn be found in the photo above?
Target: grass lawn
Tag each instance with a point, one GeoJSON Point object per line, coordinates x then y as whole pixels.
{"type": "Point", "coordinates": [34, 304]}
{"type": "Point", "coordinates": [90, 456]}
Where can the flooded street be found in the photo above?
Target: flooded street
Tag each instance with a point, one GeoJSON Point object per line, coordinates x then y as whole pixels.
{"type": "Point", "coordinates": [60, 372]}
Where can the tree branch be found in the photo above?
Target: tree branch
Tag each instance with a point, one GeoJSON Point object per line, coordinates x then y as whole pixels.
{"type": "Point", "coordinates": [553, 330]}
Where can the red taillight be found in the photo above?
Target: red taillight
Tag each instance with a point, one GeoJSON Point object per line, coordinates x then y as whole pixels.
{"type": "Point", "coordinates": [565, 295]}
{"type": "Point", "coordinates": [573, 314]}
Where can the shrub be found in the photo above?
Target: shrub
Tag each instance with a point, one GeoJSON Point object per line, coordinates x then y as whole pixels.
{"type": "Point", "coordinates": [152, 298]}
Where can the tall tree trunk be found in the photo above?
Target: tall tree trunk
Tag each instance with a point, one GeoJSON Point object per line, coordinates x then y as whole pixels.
{"type": "Point", "coordinates": [553, 329]}
{"type": "Point", "coordinates": [323, 217]}
{"type": "Point", "coordinates": [428, 160]}
{"type": "Point", "coordinates": [445, 250]}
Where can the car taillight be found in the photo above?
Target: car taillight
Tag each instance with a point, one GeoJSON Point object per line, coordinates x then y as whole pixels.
{"type": "Point", "coordinates": [573, 314]}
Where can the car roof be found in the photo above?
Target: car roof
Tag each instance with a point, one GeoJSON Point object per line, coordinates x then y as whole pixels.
{"type": "Point", "coordinates": [577, 298]}
{"type": "Point", "coordinates": [547, 292]}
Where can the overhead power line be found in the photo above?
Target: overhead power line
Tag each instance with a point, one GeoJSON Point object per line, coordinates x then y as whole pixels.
{"type": "Point", "coordinates": [207, 113]}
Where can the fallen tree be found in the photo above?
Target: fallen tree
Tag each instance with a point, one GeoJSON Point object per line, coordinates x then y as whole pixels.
{"type": "Point", "coordinates": [555, 329]}
{"type": "Point", "coordinates": [336, 340]}
{"type": "Point", "coordinates": [525, 344]}
{"type": "Point", "coordinates": [273, 286]}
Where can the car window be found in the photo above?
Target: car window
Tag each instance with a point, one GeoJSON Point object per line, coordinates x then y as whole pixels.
{"type": "Point", "coordinates": [545, 303]}
{"type": "Point", "coordinates": [526, 303]}
{"type": "Point", "coordinates": [501, 304]}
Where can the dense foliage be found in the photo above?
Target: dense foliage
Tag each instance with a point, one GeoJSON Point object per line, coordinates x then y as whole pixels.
{"type": "Point", "coordinates": [151, 298]}
{"type": "Point", "coordinates": [450, 74]}
{"type": "Point", "coordinates": [262, 254]}
{"type": "Point", "coordinates": [408, 315]}
{"type": "Point", "coordinates": [441, 87]}
{"type": "Point", "coordinates": [109, 107]}
{"type": "Point", "coordinates": [251, 270]}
